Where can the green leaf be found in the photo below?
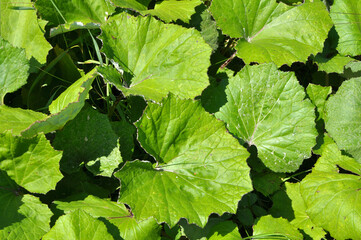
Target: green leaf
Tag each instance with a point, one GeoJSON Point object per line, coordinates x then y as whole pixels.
{"type": "Point", "coordinates": [171, 10]}
{"type": "Point", "coordinates": [125, 132]}
{"type": "Point", "coordinates": [333, 65]}
{"type": "Point", "coordinates": [13, 67]}
{"type": "Point", "coordinates": [23, 29]}
{"type": "Point", "coordinates": [267, 182]}
{"type": "Point", "coordinates": [31, 163]}
{"type": "Point", "coordinates": [137, 5]}
{"type": "Point", "coordinates": [89, 138]}
{"type": "Point", "coordinates": [302, 219]}
{"type": "Point", "coordinates": [78, 225]}
{"type": "Point", "coordinates": [266, 108]}
{"type": "Point", "coordinates": [21, 216]}
{"type": "Point", "coordinates": [65, 107]}
{"type": "Point", "coordinates": [276, 227]}
{"type": "Point", "coordinates": [318, 95]}
{"type": "Point", "coordinates": [272, 32]}
{"type": "Point", "coordinates": [343, 117]}
{"type": "Point", "coordinates": [74, 14]}
{"type": "Point", "coordinates": [16, 119]}
{"type": "Point", "coordinates": [112, 213]}
{"type": "Point", "coordinates": [226, 230]}
{"type": "Point", "coordinates": [352, 70]}
{"type": "Point", "coordinates": [198, 162]}
{"type": "Point", "coordinates": [162, 58]}
{"type": "Point", "coordinates": [346, 16]}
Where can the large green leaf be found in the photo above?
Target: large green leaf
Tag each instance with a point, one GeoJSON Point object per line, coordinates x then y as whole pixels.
{"type": "Point", "coordinates": [78, 225]}
{"type": "Point", "coordinates": [23, 29]}
{"type": "Point", "coordinates": [31, 163]}
{"type": "Point", "coordinates": [21, 216]}
{"type": "Point", "coordinates": [346, 14]}
{"type": "Point", "coordinates": [273, 32]}
{"type": "Point", "coordinates": [332, 198]}
{"type": "Point", "coordinates": [343, 117]}
{"type": "Point", "coordinates": [171, 10]}
{"type": "Point", "coordinates": [199, 163]}
{"type": "Point", "coordinates": [65, 107]}
{"type": "Point", "coordinates": [276, 227]}
{"type": "Point", "coordinates": [302, 220]}
{"type": "Point", "coordinates": [114, 213]}
{"type": "Point", "coordinates": [74, 14]}
{"type": "Point", "coordinates": [156, 58]}
{"type": "Point", "coordinates": [13, 68]}
{"type": "Point", "coordinates": [17, 119]}
{"type": "Point", "coordinates": [266, 108]}
{"type": "Point", "coordinates": [89, 137]}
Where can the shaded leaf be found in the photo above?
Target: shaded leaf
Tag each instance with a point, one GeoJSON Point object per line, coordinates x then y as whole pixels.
{"type": "Point", "coordinates": [224, 230]}
{"type": "Point", "coordinates": [266, 108]}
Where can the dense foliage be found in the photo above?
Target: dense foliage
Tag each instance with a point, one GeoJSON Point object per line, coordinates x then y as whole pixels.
{"type": "Point", "coordinates": [180, 119]}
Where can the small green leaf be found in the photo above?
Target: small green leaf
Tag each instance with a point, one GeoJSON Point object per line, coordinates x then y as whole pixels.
{"type": "Point", "coordinates": [65, 107]}
{"type": "Point", "coordinates": [198, 162]}
{"type": "Point", "coordinates": [78, 225]}
{"type": "Point", "coordinates": [276, 227]}
{"type": "Point", "coordinates": [343, 117]}
{"type": "Point", "coordinates": [273, 32]}
{"type": "Point", "coordinates": [116, 214]}
{"type": "Point", "coordinates": [31, 163]}
{"type": "Point", "coordinates": [13, 68]}
{"type": "Point", "coordinates": [266, 108]}
{"type": "Point", "coordinates": [23, 29]}
{"type": "Point", "coordinates": [318, 95]}
{"type": "Point", "coordinates": [346, 16]}
{"type": "Point", "coordinates": [169, 59]}
{"type": "Point", "coordinates": [89, 138]}
{"type": "Point", "coordinates": [333, 65]}
{"type": "Point", "coordinates": [226, 230]}
{"type": "Point", "coordinates": [137, 5]}
{"type": "Point", "coordinates": [17, 119]}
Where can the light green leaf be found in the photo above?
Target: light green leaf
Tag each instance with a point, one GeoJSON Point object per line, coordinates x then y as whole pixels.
{"type": "Point", "coordinates": [162, 58]}
{"type": "Point", "coordinates": [74, 14]}
{"type": "Point", "coordinates": [89, 137]}
{"type": "Point", "coordinates": [346, 15]}
{"type": "Point", "coordinates": [23, 29]}
{"type": "Point", "coordinates": [266, 108]}
{"type": "Point", "coordinates": [343, 117]}
{"type": "Point", "coordinates": [171, 10]}
{"type": "Point", "coordinates": [318, 95]}
{"type": "Point", "coordinates": [17, 119]}
{"type": "Point", "coordinates": [273, 32]}
{"type": "Point", "coordinates": [114, 213]}
{"type": "Point", "coordinates": [31, 163]}
{"type": "Point", "coordinates": [198, 162]}
{"type": "Point", "coordinates": [333, 65]}
{"type": "Point", "coordinates": [276, 227]}
{"type": "Point", "coordinates": [302, 220]}
{"type": "Point", "coordinates": [137, 5]}
{"type": "Point", "coordinates": [21, 216]}
{"type": "Point", "coordinates": [65, 107]}
{"type": "Point", "coordinates": [78, 225]}
{"type": "Point", "coordinates": [226, 230]}
{"type": "Point", "coordinates": [13, 68]}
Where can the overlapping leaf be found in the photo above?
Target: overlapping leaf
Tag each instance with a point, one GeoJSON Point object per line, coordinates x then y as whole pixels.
{"type": "Point", "coordinates": [266, 108]}
{"type": "Point", "coordinates": [78, 225]}
{"type": "Point", "coordinates": [21, 216]}
{"type": "Point", "coordinates": [198, 162]}
{"type": "Point", "coordinates": [65, 107]}
{"type": "Point", "coordinates": [23, 29]}
{"type": "Point", "coordinates": [332, 198]}
{"type": "Point", "coordinates": [13, 68]}
{"type": "Point", "coordinates": [31, 163]}
{"type": "Point", "coordinates": [346, 14]}
{"type": "Point", "coordinates": [273, 32]}
{"type": "Point", "coordinates": [116, 214]}
{"type": "Point", "coordinates": [343, 117]}
{"type": "Point", "coordinates": [318, 95]}
{"type": "Point", "coordinates": [74, 14]}
{"type": "Point", "coordinates": [156, 58]}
